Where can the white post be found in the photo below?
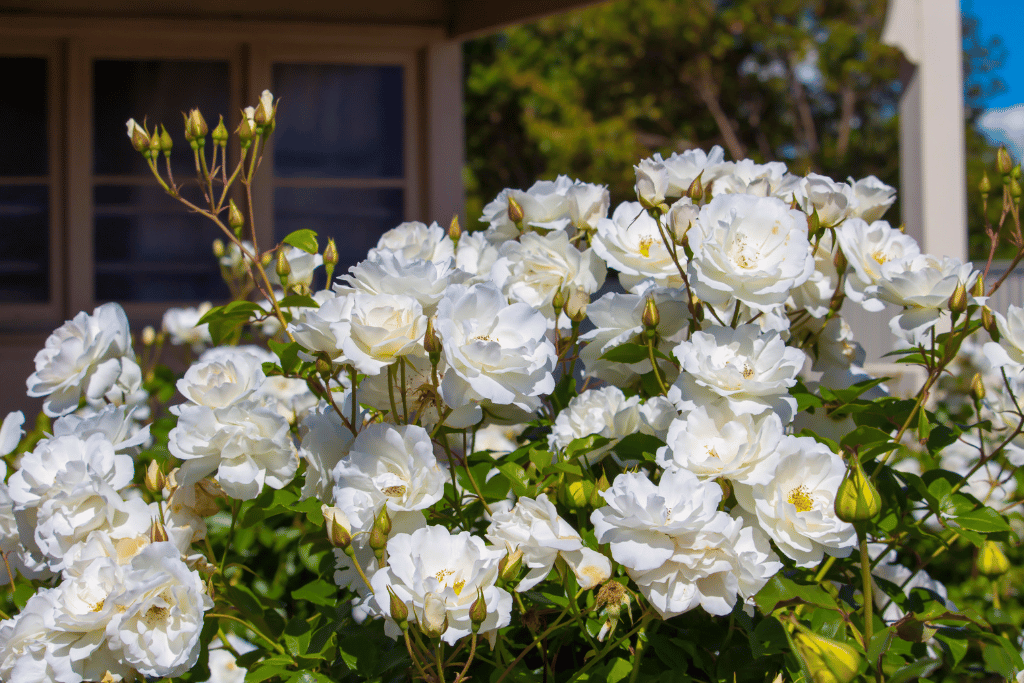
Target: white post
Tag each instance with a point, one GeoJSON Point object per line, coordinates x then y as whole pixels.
{"type": "Point", "coordinates": [445, 139]}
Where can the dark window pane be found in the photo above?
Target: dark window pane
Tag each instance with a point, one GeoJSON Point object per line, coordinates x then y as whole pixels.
{"type": "Point", "coordinates": [23, 117]}
{"type": "Point", "coordinates": [157, 91]}
{"type": "Point", "coordinates": [149, 248]}
{"type": "Point", "coordinates": [354, 218]}
{"type": "Point", "coordinates": [24, 244]}
{"type": "Point", "coordinates": [338, 121]}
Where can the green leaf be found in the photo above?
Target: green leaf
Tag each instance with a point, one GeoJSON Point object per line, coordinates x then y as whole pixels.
{"type": "Point", "coordinates": [296, 636]}
{"type": "Point", "coordinates": [516, 476]}
{"type": "Point", "coordinates": [264, 671]}
{"type": "Point", "coordinates": [304, 240]}
{"type": "Point", "coordinates": [955, 642]}
{"type": "Point", "coordinates": [918, 669]}
{"type": "Point", "coordinates": [864, 435]}
{"type": "Point", "coordinates": [782, 592]}
{"type": "Point", "coordinates": [298, 301]}
{"type": "Point", "coordinates": [289, 355]}
{"type": "Point", "coordinates": [629, 353]}
{"type": "Point", "coordinates": [985, 520]}
{"type": "Point", "coordinates": [318, 592]}
{"type": "Point", "coordinates": [636, 445]}
{"type": "Point", "coordinates": [619, 670]}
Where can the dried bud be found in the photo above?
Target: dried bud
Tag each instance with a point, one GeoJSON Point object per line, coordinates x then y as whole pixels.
{"type": "Point", "coordinates": [281, 265]}
{"type": "Point", "coordinates": [220, 133]}
{"type": "Point", "coordinates": [829, 661]}
{"type": "Point", "coordinates": [399, 610]}
{"type": "Point", "coordinates": [138, 135]}
{"type": "Point", "coordinates": [218, 248]}
{"type": "Point", "coordinates": [977, 387]}
{"type": "Point", "coordinates": [157, 533]}
{"type": "Point", "coordinates": [434, 621]}
{"type": "Point", "coordinates": [155, 479]}
{"type": "Point", "coordinates": [985, 186]}
{"type": "Point", "coordinates": [650, 317]}
{"type": "Point", "coordinates": [330, 258]}
{"type": "Point", "coordinates": [454, 229]}
{"type": "Point", "coordinates": [166, 142]}
{"type": "Point", "coordinates": [696, 190]}
{"type": "Point", "coordinates": [148, 335]}
{"type": "Point", "coordinates": [1004, 164]}
{"type": "Point", "coordinates": [988, 321]}
{"type": "Point", "coordinates": [339, 531]}
{"type": "Point", "coordinates": [478, 611]}
{"type": "Point", "coordinates": [991, 560]}
{"type": "Point", "coordinates": [515, 211]}
{"type": "Point", "coordinates": [510, 565]}
{"type": "Point", "coordinates": [857, 499]}
{"type": "Point", "coordinates": [576, 305]}
{"type": "Point", "coordinates": [958, 299]}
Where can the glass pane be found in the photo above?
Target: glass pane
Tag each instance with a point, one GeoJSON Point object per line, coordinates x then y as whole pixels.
{"type": "Point", "coordinates": [23, 117]}
{"type": "Point", "coordinates": [338, 121]}
{"type": "Point", "coordinates": [157, 91]}
{"type": "Point", "coordinates": [24, 244]}
{"type": "Point", "coordinates": [354, 218]}
{"type": "Point", "coordinates": [149, 248]}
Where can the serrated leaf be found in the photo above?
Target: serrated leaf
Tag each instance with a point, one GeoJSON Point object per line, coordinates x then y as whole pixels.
{"type": "Point", "coordinates": [318, 592]}
{"type": "Point", "coordinates": [304, 240]}
{"type": "Point", "coordinates": [628, 353]}
{"type": "Point", "coordinates": [298, 301]}
{"type": "Point", "coordinates": [986, 520]}
{"type": "Point", "coordinates": [516, 476]}
{"type": "Point", "coordinates": [918, 669]}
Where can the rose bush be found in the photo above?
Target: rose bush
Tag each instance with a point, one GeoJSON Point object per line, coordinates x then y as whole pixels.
{"type": "Point", "coordinates": [450, 463]}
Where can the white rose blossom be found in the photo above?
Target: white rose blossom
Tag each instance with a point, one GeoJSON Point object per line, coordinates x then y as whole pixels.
{"type": "Point", "coordinates": [222, 382]}
{"type": "Point", "coordinates": [382, 328]}
{"type": "Point", "coordinates": [796, 507]}
{"type": "Point", "coordinates": [1008, 352]}
{"type": "Point", "coordinates": [604, 411]}
{"type": "Point", "coordinates": [387, 273]}
{"type": "Point", "coordinates": [182, 324]}
{"type": "Point", "coordinates": [871, 198]}
{"type": "Point", "coordinates": [82, 357]}
{"type": "Point", "coordinates": [753, 249]}
{"type": "Point", "coordinates": [545, 206]}
{"type": "Point", "coordinates": [867, 247]}
{"type": "Point", "coordinates": [412, 241]}
{"type": "Point", "coordinates": [434, 565]}
{"type": "Point", "coordinates": [534, 527]}
{"type": "Point", "coordinates": [631, 243]}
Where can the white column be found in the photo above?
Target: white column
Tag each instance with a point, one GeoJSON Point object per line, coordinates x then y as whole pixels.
{"type": "Point", "coordinates": [445, 134]}
{"type": "Point", "coordinates": [933, 186]}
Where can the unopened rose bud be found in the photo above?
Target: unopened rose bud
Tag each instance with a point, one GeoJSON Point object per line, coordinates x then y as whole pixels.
{"type": "Point", "coordinates": [478, 611]}
{"type": "Point", "coordinates": [978, 289]}
{"type": "Point", "coordinates": [245, 131]}
{"type": "Point", "coordinates": [166, 142]}
{"type": "Point", "coordinates": [138, 135]}
{"type": "Point", "coordinates": [235, 218]}
{"type": "Point", "coordinates": [220, 133]}
{"type": "Point", "coordinates": [1016, 172]}
{"type": "Point", "coordinates": [330, 258]}
{"type": "Point", "coordinates": [339, 531]}
{"type": "Point", "coordinates": [195, 128]}
{"type": "Point", "coordinates": [148, 335]}
{"type": "Point", "coordinates": [218, 248]}
{"type": "Point", "coordinates": [977, 387]}
{"type": "Point", "coordinates": [454, 229]}
{"type": "Point", "coordinates": [1015, 191]}
{"type": "Point", "coordinates": [958, 299]}
{"type": "Point", "coordinates": [157, 533]}
{"type": "Point", "coordinates": [576, 304]}
{"type": "Point", "coordinates": [813, 222]}
{"type": "Point", "coordinates": [265, 110]}
{"type": "Point", "coordinates": [510, 565]}
{"type": "Point", "coordinates": [380, 531]}
{"type": "Point", "coordinates": [431, 343]}
{"type": "Point", "coordinates": [839, 261]}
{"type": "Point", "coordinates": [650, 317]}
{"type": "Point", "coordinates": [1004, 164]}
{"type": "Point", "coordinates": [515, 211]}
{"type": "Point", "coordinates": [857, 499]}
{"type": "Point", "coordinates": [829, 661]}
{"type": "Point", "coordinates": [558, 301]}
{"type": "Point", "coordinates": [988, 321]}
{"type": "Point", "coordinates": [985, 186]}
{"type": "Point", "coordinates": [991, 560]}
{"type": "Point", "coordinates": [324, 365]}
{"type": "Point", "coordinates": [399, 610]}
{"type": "Point", "coordinates": [281, 265]}
{"type": "Point", "coordinates": [155, 479]}
{"type": "Point", "coordinates": [696, 190]}
{"type": "Point", "coordinates": [434, 621]}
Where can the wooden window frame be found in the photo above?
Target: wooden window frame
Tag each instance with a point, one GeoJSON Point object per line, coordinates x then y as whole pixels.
{"type": "Point", "coordinates": [251, 48]}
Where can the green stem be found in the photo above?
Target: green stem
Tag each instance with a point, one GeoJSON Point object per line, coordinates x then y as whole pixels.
{"type": "Point", "coordinates": [472, 652]}
{"type": "Point", "coordinates": [235, 505]}
{"type": "Point", "coordinates": [867, 593]}
{"type": "Point", "coordinates": [654, 365]}
{"type": "Point", "coordinates": [638, 651]}
{"type": "Point", "coordinates": [608, 648]}
{"type": "Point", "coordinates": [274, 644]}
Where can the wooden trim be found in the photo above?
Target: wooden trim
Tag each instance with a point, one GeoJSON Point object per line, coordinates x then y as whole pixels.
{"type": "Point", "coordinates": [344, 183]}
{"type": "Point", "coordinates": [78, 115]}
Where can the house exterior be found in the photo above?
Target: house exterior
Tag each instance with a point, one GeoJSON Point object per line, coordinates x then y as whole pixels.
{"type": "Point", "coordinates": [369, 134]}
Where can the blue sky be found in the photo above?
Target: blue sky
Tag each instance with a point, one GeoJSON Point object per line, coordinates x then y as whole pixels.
{"type": "Point", "coordinates": [1003, 18]}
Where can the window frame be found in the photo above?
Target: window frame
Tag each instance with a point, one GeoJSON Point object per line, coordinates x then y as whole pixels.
{"type": "Point", "coordinates": [251, 48]}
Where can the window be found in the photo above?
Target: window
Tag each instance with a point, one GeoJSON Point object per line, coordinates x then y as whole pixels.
{"type": "Point", "coordinates": [84, 222]}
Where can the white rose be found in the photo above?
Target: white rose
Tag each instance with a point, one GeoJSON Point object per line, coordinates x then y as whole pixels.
{"type": "Point", "coordinates": [871, 198]}
{"type": "Point", "coordinates": [323, 329]}
{"type": "Point", "coordinates": [245, 444]}
{"type": "Point", "coordinates": [760, 180]}
{"type": "Point", "coordinates": [754, 249]}
{"type": "Point", "coordinates": [161, 613]}
{"type": "Point", "coordinates": [741, 368]}
{"type": "Point", "coordinates": [796, 508]}
{"type": "Point", "coordinates": [605, 411]}
{"type": "Point", "coordinates": [1009, 351]}
{"type": "Point", "coordinates": [866, 248]}
{"type": "Point", "coordinates": [537, 267]}
{"type": "Point", "coordinates": [713, 443]}
{"type": "Point", "coordinates": [831, 200]}
{"type": "Point", "coordinates": [387, 466]}
{"type": "Point", "coordinates": [495, 351]}
{"type": "Point", "coordinates": [10, 434]}
{"type": "Point", "coordinates": [631, 243]}
{"type": "Point", "coordinates": [118, 424]}
{"type": "Point", "coordinates": [451, 567]}
{"type": "Point", "coordinates": [588, 204]}
{"type": "Point", "coordinates": [922, 285]}
{"type": "Point", "coordinates": [382, 328]}
{"type": "Point", "coordinates": [182, 324]}
{"type": "Point", "coordinates": [475, 255]}
{"type": "Point", "coordinates": [545, 206]}
{"type": "Point", "coordinates": [534, 527]}
{"type": "Point", "coordinates": [815, 294]}
{"type": "Point", "coordinates": [82, 356]}
{"type": "Point", "coordinates": [412, 241]}
{"type": "Point", "coordinates": [220, 383]}
{"type": "Point", "coordinates": [386, 273]}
